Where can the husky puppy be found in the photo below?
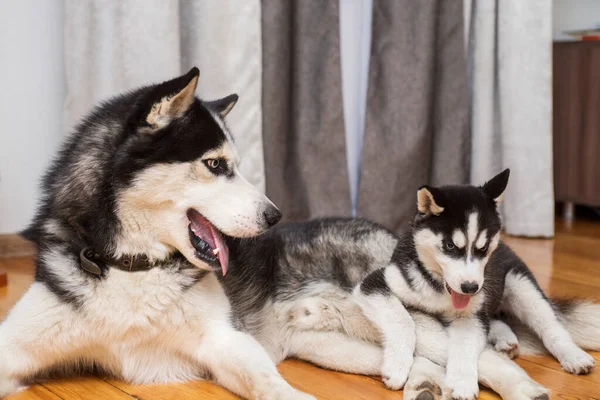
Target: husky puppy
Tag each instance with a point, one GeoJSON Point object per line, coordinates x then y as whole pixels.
{"type": "Point", "coordinates": [453, 265]}
{"type": "Point", "coordinates": [130, 236]}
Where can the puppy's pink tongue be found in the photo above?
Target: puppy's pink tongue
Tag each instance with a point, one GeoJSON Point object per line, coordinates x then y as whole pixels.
{"type": "Point", "coordinates": [460, 300]}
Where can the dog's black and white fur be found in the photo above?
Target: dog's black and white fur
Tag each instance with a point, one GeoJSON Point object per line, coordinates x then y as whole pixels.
{"type": "Point", "coordinates": [153, 175]}
{"type": "Point", "coordinates": [453, 265]}
{"type": "Point", "coordinates": [142, 176]}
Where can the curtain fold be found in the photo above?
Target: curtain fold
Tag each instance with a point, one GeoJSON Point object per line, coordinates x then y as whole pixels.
{"type": "Point", "coordinates": [417, 109]}
{"type": "Point", "coordinates": [303, 124]}
{"type": "Point", "coordinates": [112, 46]}
{"type": "Point", "coordinates": [509, 52]}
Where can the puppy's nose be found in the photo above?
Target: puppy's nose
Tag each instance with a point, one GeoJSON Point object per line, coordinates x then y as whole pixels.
{"type": "Point", "coordinates": [272, 216]}
{"type": "Point", "coordinates": [469, 287]}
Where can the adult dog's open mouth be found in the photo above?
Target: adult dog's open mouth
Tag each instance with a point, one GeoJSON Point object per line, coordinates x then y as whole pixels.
{"type": "Point", "coordinates": [207, 241]}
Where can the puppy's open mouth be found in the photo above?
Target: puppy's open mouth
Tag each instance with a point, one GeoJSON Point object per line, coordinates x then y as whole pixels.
{"type": "Point", "coordinates": [459, 300]}
{"type": "Point", "coordinates": [207, 241]}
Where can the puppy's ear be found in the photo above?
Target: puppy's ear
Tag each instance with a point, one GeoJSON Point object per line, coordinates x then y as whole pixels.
{"type": "Point", "coordinates": [166, 102]}
{"type": "Point", "coordinates": [496, 186]}
{"type": "Point", "coordinates": [222, 106]}
{"type": "Point", "coordinates": [430, 201]}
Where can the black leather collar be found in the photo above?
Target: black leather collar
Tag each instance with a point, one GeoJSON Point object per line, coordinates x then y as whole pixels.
{"type": "Point", "coordinates": [93, 261]}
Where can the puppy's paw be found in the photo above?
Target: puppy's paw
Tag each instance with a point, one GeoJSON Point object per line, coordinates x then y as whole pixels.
{"type": "Point", "coordinates": [394, 374]}
{"type": "Point", "coordinates": [508, 347]}
{"type": "Point", "coordinates": [425, 390]}
{"type": "Point", "coordinates": [577, 361]}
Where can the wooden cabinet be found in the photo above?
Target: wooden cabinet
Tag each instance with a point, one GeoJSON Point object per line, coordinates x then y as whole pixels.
{"type": "Point", "coordinates": [576, 124]}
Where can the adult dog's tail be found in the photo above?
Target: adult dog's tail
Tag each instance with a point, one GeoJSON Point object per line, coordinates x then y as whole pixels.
{"type": "Point", "coordinates": [580, 317]}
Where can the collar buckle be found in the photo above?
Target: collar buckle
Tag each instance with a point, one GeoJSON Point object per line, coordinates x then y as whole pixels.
{"type": "Point", "coordinates": [86, 259]}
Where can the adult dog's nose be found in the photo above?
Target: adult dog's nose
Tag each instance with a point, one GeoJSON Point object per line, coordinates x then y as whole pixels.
{"type": "Point", "coordinates": [469, 287]}
{"type": "Point", "coordinates": [272, 215]}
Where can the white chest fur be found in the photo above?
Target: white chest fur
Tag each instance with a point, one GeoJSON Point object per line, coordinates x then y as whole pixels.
{"type": "Point", "coordinates": [423, 297]}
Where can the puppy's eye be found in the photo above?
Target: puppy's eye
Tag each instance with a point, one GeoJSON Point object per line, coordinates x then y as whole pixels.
{"type": "Point", "coordinates": [213, 163]}
{"type": "Point", "coordinates": [484, 249]}
{"type": "Point", "coordinates": [449, 246]}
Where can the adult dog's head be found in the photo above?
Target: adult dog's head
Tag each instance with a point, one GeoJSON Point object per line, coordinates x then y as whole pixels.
{"type": "Point", "coordinates": [153, 172]}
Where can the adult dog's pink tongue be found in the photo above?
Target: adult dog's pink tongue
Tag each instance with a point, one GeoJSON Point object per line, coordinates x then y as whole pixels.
{"type": "Point", "coordinates": [223, 249]}
{"type": "Point", "coordinates": [460, 300]}
{"type": "Point", "coordinates": [205, 231]}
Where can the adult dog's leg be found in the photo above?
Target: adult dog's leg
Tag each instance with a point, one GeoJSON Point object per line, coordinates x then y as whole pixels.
{"type": "Point", "coordinates": [240, 364]}
{"type": "Point", "coordinates": [395, 324]}
{"type": "Point", "coordinates": [525, 300]}
{"type": "Point", "coordinates": [39, 332]}
{"type": "Point", "coordinates": [337, 351]}
{"type": "Point", "coordinates": [506, 378]}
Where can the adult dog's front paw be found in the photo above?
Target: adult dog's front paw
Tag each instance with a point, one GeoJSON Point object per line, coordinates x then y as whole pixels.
{"type": "Point", "coordinates": [529, 390]}
{"type": "Point", "coordinates": [463, 388]}
{"type": "Point", "coordinates": [426, 390]}
{"type": "Point", "coordinates": [394, 374]}
{"type": "Point", "coordinates": [297, 395]}
{"type": "Point", "coordinates": [283, 392]}
{"type": "Point", "coordinates": [576, 361]}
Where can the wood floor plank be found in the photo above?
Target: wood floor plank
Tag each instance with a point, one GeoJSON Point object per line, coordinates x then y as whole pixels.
{"type": "Point", "coordinates": [86, 388]}
{"type": "Point", "coordinates": [35, 392]}
{"type": "Point", "coordinates": [175, 391]}
{"type": "Point", "coordinates": [566, 266]}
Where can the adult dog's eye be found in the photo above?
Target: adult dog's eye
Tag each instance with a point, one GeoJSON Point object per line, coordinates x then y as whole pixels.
{"type": "Point", "coordinates": [213, 163]}
{"type": "Point", "coordinates": [449, 246]}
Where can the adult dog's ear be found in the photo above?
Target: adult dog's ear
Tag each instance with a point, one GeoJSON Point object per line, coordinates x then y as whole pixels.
{"type": "Point", "coordinates": [165, 102]}
{"type": "Point", "coordinates": [430, 201]}
{"type": "Point", "coordinates": [496, 186]}
{"type": "Point", "coordinates": [222, 106]}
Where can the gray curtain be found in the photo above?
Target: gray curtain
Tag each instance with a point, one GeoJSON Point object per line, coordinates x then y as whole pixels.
{"type": "Point", "coordinates": [113, 45]}
{"type": "Point", "coordinates": [417, 107]}
{"type": "Point", "coordinates": [416, 124]}
{"type": "Point", "coordinates": [509, 46]}
{"type": "Point", "coordinates": [303, 123]}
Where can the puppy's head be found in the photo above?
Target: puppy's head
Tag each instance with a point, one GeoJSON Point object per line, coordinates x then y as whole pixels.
{"type": "Point", "coordinates": [456, 229]}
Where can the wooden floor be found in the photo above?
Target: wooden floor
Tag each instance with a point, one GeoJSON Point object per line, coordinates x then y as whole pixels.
{"type": "Point", "coordinates": [566, 266]}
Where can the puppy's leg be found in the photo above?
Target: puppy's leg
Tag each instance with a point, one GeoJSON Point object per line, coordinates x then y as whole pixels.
{"type": "Point", "coordinates": [507, 379]}
{"type": "Point", "coordinates": [337, 351]}
{"type": "Point", "coordinates": [525, 300]}
{"type": "Point", "coordinates": [240, 364]}
{"type": "Point", "coordinates": [395, 324]}
{"type": "Point", "coordinates": [39, 332]}
{"type": "Point", "coordinates": [503, 339]}
{"type": "Point", "coordinates": [467, 339]}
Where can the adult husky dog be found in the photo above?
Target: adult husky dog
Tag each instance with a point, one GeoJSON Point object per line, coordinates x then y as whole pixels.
{"type": "Point", "coordinates": [129, 232]}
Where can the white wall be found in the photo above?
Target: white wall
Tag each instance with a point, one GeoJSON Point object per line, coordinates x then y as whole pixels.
{"type": "Point", "coordinates": [575, 15]}
{"type": "Point", "coordinates": [31, 105]}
